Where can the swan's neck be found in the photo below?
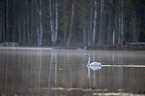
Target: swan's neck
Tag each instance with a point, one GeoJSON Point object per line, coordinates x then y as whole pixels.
{"type": "Point", "coordinates": [88, 60]}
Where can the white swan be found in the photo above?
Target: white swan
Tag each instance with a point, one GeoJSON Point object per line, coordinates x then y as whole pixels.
{"type": "Point", "coordinates": [95, 64]}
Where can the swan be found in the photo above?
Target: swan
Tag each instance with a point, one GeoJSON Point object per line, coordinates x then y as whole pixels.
{"type": "Point", "coordinates": [95, 64]}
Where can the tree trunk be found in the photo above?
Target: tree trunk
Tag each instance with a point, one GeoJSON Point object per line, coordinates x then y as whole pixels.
{"type": "Point", "coordinates": [14, 33]}
{"type": "Point", "coordinates": [113, 40]}
{"type": "Point", "coordinates": [19, 32]}
{"type": "Point", "coordinates": [1, 22]}
{"type": "Point", "coordinates": [133, 26]}
{"type": "Point", "coordinates": [32, 9]}
{"type": "Point", "coordinates": [94, 27]}
{"type": "Point", "coordinates": [65, 23]}
{"type": "Point", "coordinates": [40, 23]}
{"type": "Point", "coordinates": [119, 29]}
{"type": "Point", "coordinates": [101, 38]}
{"type": "Point", "coordinates": [109, 32]}
{"type": "Point", "coordinates": [11, 17]}
{"type": "Point", "coordinates": [27, 16]}
{"type": "Point", "coordinates": [38, 36]}
{"type": "Point", "coordinates": [4, 21]}
{"type": "Point", "coordinates": [116, 24]}
{"type": "Point", "coordinates": [24, 31]}
{"type": "Point", "coordinates": [71, 24]}
{"type": "Point", "coordinates": [56, 21]}
{"type": "Point", "coordinates": [138, 29]}
{"type": "Point", "coordinates": [84, 36]}
{"type": "Point", "coordinates": [134, 31]}
{"type": "Point", "coordinates": [7, 20]}
{"type": "Point", "coordinates": [90, 26]}
{"type": "Point", "coordinates": [120, 32]}
{"type": "Point", "coordinates": [122, 24]}
{"type": "Point", "coordinates": [115, 34]}
{"type": "Point", "coordinates": [51, 22]}
{"type": "Point", "coordinates": [0, 28]}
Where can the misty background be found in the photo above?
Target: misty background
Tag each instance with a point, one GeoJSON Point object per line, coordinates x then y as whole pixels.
{"type": "Point", "coordinates": [72, 22]}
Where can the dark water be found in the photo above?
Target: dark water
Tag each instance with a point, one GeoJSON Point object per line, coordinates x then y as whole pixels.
{"type": "Point", "coordinates": [56, 72]}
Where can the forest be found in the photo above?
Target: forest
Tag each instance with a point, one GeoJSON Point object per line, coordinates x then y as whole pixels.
{"type": "Point", "coordinates": [72, 22]}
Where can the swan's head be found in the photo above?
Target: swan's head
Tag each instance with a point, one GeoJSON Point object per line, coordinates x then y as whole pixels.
{"type": "Point", "coordinates": [88, 55]}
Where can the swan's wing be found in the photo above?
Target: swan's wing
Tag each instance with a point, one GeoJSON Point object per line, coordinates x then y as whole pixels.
{"type": "Point", "coordinates": [95, 68]}
{"type": "Point", "coordinates": [95, 63]}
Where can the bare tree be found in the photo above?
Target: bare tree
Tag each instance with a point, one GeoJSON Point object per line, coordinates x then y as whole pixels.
{"type": "Point", "coordinates": [101, 38]}
{"type": "Point", "coordinates": [51, 21]}
{"type": "Point", "coordinates": [56, 21]}
{"type": "Point", "coordinates": [40, 23]}
{"type": "Point", "coordinates": [71, 24]}
{"type": "Point", "coordinates": [90, 25]}
{"type": "Point", "coordinates": [94, 27]}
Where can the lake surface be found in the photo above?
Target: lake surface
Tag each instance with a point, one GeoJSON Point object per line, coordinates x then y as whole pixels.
{"type": "Point", "coordinates": [58, 72]}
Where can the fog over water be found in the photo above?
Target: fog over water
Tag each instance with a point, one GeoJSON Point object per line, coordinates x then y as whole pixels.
{"type": "Point", "coordinates": [57, 72]}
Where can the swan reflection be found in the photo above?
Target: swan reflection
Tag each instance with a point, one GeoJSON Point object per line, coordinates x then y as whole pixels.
{"type": "Point", "coordinates": [93, 68]}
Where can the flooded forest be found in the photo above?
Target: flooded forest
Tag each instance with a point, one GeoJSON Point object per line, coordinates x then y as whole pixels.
{"type": "Point", "coordinates": [72, 22]}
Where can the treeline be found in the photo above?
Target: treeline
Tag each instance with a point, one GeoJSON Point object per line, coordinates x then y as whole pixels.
{"type": "Point", "coordinates": [72, 22]}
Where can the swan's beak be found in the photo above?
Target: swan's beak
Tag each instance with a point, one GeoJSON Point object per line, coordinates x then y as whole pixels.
{"type": "Point", "coordinates": [87, 55]}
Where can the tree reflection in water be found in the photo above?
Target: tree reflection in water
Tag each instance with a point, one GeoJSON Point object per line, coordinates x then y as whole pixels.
{"type": "Point", "coordinates": [56, 72]}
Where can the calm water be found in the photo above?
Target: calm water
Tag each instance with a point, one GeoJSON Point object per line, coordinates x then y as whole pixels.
{"type": "Point", "coordinates": [56, 72]}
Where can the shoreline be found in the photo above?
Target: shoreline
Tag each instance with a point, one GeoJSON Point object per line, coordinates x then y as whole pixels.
{"type": "Point", "coordinates": [92, 47]}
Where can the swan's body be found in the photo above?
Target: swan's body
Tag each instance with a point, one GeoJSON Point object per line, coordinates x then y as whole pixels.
{"type": "Point", "coordinates": [95, 64]}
